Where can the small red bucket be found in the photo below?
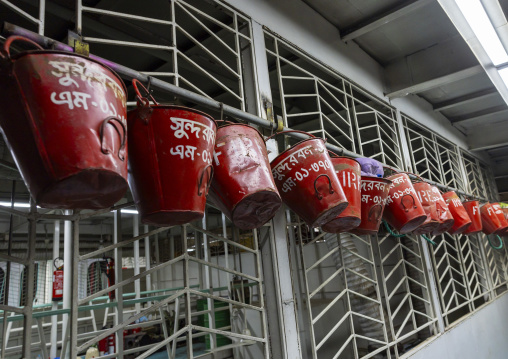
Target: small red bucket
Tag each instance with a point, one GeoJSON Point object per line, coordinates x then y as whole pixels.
{"type": "Point", "coordinates": [490, 220]}
{"type": "Point", "coordinates": [171, 151]}
{"type": "Point", "coordinates": [428, 201]}
{"type": "Point", "coordinates": [445, 216]}
{"type": "Point", "coordinates": [403, 211]}
{"type": "Point", "coordinates": [505, 212]}
{"type": "Point", "coordinates": [349, 173]}
{"type": "Point", "coordinates": [473, 211]}
{"type": "Point", "coordinates": [307, 181]}
{"type": "Point", "coordinates": [502, 219]}
{"type": "Point", "coordinates": [63, 116]}
{"type": "Point", "coordinates": [243, 187]}
{"type": "Point", "coordinates": [374, 192]}
{"type": "Point", "coordinates": [459, 213]}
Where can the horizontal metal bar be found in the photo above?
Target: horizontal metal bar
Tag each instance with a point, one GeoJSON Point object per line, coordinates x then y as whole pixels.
{"type": "Point", "coordinates": [221, 299]}
{"type": "Point", "coordinates": [143, 45]}
{"type": "Point", "coordinates": [125, 15]}
{"type": "Point", "coordinates": [20, 11]}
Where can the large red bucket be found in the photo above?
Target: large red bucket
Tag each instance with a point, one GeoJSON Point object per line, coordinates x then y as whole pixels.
{"type": "Point", "coordinates": [374, 192]}
{"type": "Point", "coordinates": [459, 213]}
{"type": "Point", "coordinates": [243, 187]}
{"type": "Point", "coordinates": [502, 219]}
{"type": "Point", "coordinates": [349, 173]}
{"type": "Point", "coordinates": [403, 210]}
{"type": "Point", "coordinates": [445, 216]}
{"type": "Point", "coordinates": [473, 211]}
{"type": "Point", "coordinates": [490, 220]}
{"type": "Point", "coordinates": [63, 117]}
{"type": "Point", "coordinates": [428, 201]}
{"type": "Point", "coordinates": [307, 181]}
{"type": "Point", "coordinates": [171, 157]}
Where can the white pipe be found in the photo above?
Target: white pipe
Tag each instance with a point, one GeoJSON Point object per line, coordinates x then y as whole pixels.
{"type": "Point", "coordinates": [147, 259]}
{"type": "Point", "coordinates": [67, 277]}
{"type": "Point", "coordinates": [54, 318]}
{"type": "Point", "coordinates": [137, 284]}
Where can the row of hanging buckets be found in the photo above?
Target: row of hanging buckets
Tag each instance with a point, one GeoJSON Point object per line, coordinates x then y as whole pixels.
{"type": "Point", "coordinates": [65, 120]}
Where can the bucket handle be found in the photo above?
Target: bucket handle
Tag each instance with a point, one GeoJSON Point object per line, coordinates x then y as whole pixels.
{"type": "Point", "coordinates": [200, 181]}
{"type": "Point", "coordinates": [319, 195]}
{"type": "Point", "coordinates": [371, 212]}
{"type": "Point", "coordinates": [278, 133]}
{"type": "Point", "coordinates": [11, 39]}
{"type": "Point", "coordinates": [402, 202]}
{"type": "Point", "coordinates": [104, 150]}
{"type": "Point", "coordinates": [144, 100]}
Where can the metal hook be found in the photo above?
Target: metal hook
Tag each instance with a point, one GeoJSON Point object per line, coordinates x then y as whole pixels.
{"type": "Point", "coordinates": [319, 196]}
{"type": "Point", "coordinates": [402, 202]}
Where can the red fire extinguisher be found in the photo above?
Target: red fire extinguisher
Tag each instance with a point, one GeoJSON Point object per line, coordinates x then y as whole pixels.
{"type": "Point", "coordinates": [112, 343]}
{"type": "Point", "coordinates": [103, 345]}
{"type": "Point", "coordinates": [58, 280]}
{"type": "Point", "coordinates": [110, 273]}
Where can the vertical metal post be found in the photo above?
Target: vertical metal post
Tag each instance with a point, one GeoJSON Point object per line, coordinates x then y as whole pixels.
{"type": "Point", "coordinates": [117, 238]}
{"type": "Point", "coordinates": [137, 283]}
{"type": "Point", "coordinates": [186, 284]}
{"type": "Point", "coordinates": [147, 260]}
{"type": "Point", "coordinates": [208, 285]}
{"type": "Point", "coordinates": [79, 18]}
{"type": "Point", "coordinates": [67, 283]}
{"type": "Point", "coordinates": [27, 318]}
{"type": "Point", "coordinates": [75, 300]}
{"type": "Point", "coordinates": [434, 295]}
{"type": "Point", "coordinates": [54, 306]}
{"type": "Point", "coordinates": [403, 143]}
{"type": "Point", "coordinates": [42, 12]}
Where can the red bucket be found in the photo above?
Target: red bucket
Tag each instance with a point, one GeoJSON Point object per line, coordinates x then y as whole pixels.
{"type": "Point", "coordinates": [473, 211]}
{"type": "Point", "coordinates": [349, 173]}
{"type": "Point", "coordinates": [502, 219]}
{"type": "Point", "coordinates": [403, 211]}
{"type": "Point", "coordinates": [490, 220]}
{"type": "Point", "coordinates": [243, 187]}
{"type": "Point", "coordinates": [63, 116]}
{"type": "Point", "coordinates": [171, 151]}
{"type": "Point", "coordinates": [459, 213]}
{"type": "Point", "coordinates": [428, 201]}
{"type": "Point", "coordinates": [374, 192]}
{"type": "Point", "coordinates": [307, 181]}
{"type": "Point", "coordinates": [445, 216]}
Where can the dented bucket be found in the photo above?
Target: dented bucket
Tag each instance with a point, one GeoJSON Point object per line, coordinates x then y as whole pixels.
{"type": "Point", "coordinates": [473, 211]}
{"type": "Point", "coordinates": [490, 220]}
{"type": "Point", "coordinates": [63, 116]}
{"type": "Point", "coordinates": [171, 161]}
{"type": "Point", "coordinates": [502, 219]}
{"type": "Point", "coordinates": [403, 210]}
{"type": "Point", "coordinates": [459, 213]}
{"type": "Point", "coordinates": [307, 181]}
{"type": "Point", "coordinates": [374, 192]}
{"type": "Point", "coordinates": [445, 216]}
{"type": "Point", "coordinates": [428, 201]}
{"type": "Point", "coordinates": [349, 173]}
{"type": "Point", "coordinates": [242, 186]}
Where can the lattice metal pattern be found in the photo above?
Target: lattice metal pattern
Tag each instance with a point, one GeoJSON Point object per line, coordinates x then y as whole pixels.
{"type": "Point", "coordinates": [197, 45]}
{"type": "Point", "coordinates": [405, 290]}
{"type": "Point", "coordinates": [345, 315]}
{"type": "Point", "coordinates": [423, 149]}
{"type": "Point", "coordinates": [310, 96]}
{"type": "Point", "coordinates": [460, 275]}
{"type": "Point", "coordinates": [474, 176]}
{"type": "Point", "coordinates": [450, 164]}
{"type": "Point", "coordinates": [489, 182]}
{"type": "Point", "coordinates": [31, 16]}
{"type": "Point", "coordinates": [497, 263]}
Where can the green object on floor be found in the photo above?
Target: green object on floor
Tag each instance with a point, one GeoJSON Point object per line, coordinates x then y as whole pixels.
{"type": "Point", "coordinates": [222, 319]}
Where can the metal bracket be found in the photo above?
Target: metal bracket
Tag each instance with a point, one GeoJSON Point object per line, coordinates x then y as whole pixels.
{"type": "Point", "coordinates": [76, 41]}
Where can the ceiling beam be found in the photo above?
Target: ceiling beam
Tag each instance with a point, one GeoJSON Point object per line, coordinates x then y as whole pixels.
{"type": "Point", "coordinates": [481, 115]}
{"type": "Point", "coordinates": [489, 147]}
{"type": "Point", "coordinates": [376, 22]}
{"type": "Point", "coordinates": [464, 100]}
{"type": "Point", "coordinates": [436, 82]}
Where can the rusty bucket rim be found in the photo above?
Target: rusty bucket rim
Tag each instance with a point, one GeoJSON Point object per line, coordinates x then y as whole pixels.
{"type": "Point", "coordinates": [73, 54]}
{"type": "Point", "coordinates": [241, 124]}
{"type": "Point", "coordinates": [346, 157]}
{"type": "Point", "coordinates": [382, 179]}
{"type": "Point", "coordinates": [178, 107]}
{"type": "Point", "coordinates": [295, 145]}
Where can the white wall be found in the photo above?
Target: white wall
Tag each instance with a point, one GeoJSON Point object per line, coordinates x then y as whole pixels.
{"type": "Point", "coordinates": [479, 336]}
{"type": "Point", "coordinates": [301, 25]}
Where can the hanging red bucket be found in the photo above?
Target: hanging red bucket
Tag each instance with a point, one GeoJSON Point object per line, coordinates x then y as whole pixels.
{"type": "Point", "coordinates": [307, 181]}
{"type": "Point", "coordinates": [473, 211]}
{"type": "Point", "coordinates": [374, 192]}
{"type": "Point", "coordinates": [502, 219]}
{"type": "Point", "coordinates": [403, 210]}
{"type": "Point", "coordinates": [490, 220]}
{"type": "Point", "coordinates": [428, 201]}
{"type": "Point", "coordinates": [171, 151]}
{"type": "Point", "coordinates": [242, 186]}
{"type": "Point", "coordinates": [459, 213]}
{"type": "Point", "coordinates": [349, 173]}
{"type": "Point", "coordinates": [63, 116]}
{"type": "Point", "coordinates": [505, 212]}
{"type": "Point", "coordinates": [445, 216]}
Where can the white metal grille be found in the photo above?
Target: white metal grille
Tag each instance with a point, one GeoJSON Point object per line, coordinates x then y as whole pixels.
{"type": "Point", "coordinates": [497, 262]}
{"type": "Point", "coordinates": [489, 183]}
{"type": "Point", "coordinates": [450, 164]}
{"type": "Point", "coordinates": [474, 176]}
